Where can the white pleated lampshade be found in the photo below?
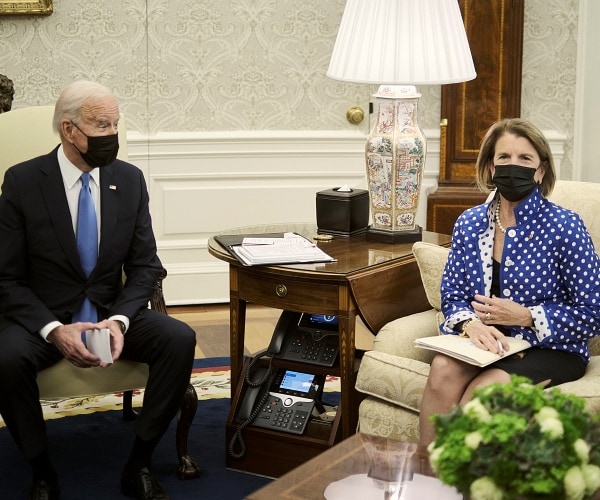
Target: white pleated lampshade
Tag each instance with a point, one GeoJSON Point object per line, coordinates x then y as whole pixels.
{"type": "Point", "coordinates": [402, 42]}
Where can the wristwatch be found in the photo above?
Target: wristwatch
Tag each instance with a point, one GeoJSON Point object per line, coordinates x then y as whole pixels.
{"type": "Point", "coordinates": [121, 326]}
{"type": "Point", "coordinates": [465, 325]}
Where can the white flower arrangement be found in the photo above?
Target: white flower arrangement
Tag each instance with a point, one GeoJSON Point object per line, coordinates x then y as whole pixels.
{"type": "Point", "coordinates": [517, 440]}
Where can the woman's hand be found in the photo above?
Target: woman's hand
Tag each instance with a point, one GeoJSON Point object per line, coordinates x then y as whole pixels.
{"type": "Point", "coordinates": [487, 337]}
{"type": "Point", "coordinates": [496, 311]}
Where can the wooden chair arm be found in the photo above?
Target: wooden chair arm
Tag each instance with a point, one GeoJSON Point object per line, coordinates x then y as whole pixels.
{"type": "Point", "coordinates": [157, 302]}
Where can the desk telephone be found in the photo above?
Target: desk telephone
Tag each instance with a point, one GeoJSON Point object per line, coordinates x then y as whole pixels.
{"type": "Point", "coordinates": [285, 403]}
{"type": "Point", "coordinates": [308, 338]}
{"type": "Point", "coordinates": [283, 399]}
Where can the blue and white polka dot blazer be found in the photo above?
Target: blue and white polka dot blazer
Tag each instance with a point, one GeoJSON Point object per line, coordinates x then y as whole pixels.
{"type": "Point", "coordinates": [549, 265]}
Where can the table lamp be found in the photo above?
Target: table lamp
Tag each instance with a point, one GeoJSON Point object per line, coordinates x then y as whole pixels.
{"type": "Point", "coordinates": [399, 44]}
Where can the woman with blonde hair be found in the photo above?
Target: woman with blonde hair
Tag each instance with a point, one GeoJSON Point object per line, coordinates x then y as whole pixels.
{"type": "Point", "coordinates": [519, 266]}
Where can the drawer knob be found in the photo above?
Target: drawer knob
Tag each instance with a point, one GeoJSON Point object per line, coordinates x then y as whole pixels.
{"type": "Point", "coordinates": [281, 290]}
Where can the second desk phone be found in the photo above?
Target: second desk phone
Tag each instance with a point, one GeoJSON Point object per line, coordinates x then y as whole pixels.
{"type": "Point", "coordinates": [306, 337]}
{"type": "Point", "coordinates": [284, 402]}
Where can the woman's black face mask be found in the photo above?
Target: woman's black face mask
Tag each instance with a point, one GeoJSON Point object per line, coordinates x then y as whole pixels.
{"type": "Point", "coordinates": [514, 182]}
{"type": "Point", "coordinates": [102, 149]}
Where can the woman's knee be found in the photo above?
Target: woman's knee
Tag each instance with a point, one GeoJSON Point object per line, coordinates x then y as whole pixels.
{"type": "Point", "coordinates": [445, 366]}
{"type": "Point", "coordinates": [447, 370]}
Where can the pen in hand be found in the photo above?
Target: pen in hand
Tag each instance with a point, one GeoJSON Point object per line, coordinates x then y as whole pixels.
{"type": "Point", "coordinates": [500, 348]}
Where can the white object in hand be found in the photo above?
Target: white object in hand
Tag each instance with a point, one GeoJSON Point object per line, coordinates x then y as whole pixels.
{"type": "Point", "coordinates": [98, 343]}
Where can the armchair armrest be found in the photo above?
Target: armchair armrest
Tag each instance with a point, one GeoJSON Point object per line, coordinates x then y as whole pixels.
{"type": "Point", "coordinates": [398, 337]}
{"type": "Point", "coordinates": [157, 302]}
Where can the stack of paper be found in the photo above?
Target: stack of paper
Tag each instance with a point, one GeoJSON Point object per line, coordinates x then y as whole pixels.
{"type": "Point", "coordinates": [289, 249]}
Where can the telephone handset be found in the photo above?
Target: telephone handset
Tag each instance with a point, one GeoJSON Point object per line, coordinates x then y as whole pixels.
{"type": "Point", "coordinates": [255, 394]}
{"type": "Point", "coordinates": [286, 324]}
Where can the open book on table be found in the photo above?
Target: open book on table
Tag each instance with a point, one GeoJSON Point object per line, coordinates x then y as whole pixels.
{"type": "Point", "coordinates": [462, 348]}
{"type": "Point", "coordinates": [272, 248]}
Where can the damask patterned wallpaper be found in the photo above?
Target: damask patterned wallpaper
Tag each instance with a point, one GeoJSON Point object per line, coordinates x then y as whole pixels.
{"type": "Point", "coordinates": [549, 64]}
{"type": "Point", "coordinates": [214, 65]}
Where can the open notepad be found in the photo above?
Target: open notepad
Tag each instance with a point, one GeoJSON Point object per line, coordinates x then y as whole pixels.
{"type": "Point", "coordinates": [463, 349]}
{"type": "Point", "coordinates": [280, 248]}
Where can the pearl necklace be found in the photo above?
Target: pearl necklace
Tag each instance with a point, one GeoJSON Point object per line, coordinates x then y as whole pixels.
{"type": "Point", "coordinates": [500, 226]}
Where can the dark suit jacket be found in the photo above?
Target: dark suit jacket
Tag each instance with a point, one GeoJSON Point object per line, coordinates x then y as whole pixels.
{"type": "Point", "coordinates": [41, 279]}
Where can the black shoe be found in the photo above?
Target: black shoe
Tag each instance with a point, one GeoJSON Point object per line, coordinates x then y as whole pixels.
{"type": "Point", "coordinates": [43, 490]}
{"type": "Point", "coordinates": [142, 485]}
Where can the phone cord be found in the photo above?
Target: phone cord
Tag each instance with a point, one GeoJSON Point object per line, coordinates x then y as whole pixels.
{"type": "Point", "coordinates": [237, 438]}
{"type": "Point", "coordinates": [237, 435]}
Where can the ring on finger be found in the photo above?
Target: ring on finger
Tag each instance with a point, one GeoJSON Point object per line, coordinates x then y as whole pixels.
{"type": "Point", "coordinates": [488, 316]}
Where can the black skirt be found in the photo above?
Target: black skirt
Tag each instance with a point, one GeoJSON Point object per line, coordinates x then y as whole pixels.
{"type": "Point", "coordinates": [543, 364]}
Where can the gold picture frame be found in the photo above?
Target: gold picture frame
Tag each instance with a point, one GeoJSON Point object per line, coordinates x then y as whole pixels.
{"type": "Point", "coordinates": [9, 7]}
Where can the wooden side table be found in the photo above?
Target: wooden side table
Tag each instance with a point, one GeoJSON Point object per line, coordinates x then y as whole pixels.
{"type": "Point", "coordinates": [379, 281]}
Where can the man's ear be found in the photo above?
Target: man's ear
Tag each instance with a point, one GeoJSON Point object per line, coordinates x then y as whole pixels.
{"type": "Point", "coordinates": [67, 130]}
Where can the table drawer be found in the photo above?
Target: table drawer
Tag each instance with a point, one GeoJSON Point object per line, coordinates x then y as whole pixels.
{"type": "Point", "coordinates": [284, 293]}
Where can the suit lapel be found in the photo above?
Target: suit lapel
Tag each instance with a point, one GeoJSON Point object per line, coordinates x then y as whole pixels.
{"type": "Point", "coordinates": [53, 191]}
{"type": "Point", "coordinates": [109, 206]}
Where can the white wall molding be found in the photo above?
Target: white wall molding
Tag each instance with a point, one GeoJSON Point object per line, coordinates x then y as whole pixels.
{"type": "Point", "coordinates": [557, 142]}
{"type": "Point", "coordinates": [204, 183]}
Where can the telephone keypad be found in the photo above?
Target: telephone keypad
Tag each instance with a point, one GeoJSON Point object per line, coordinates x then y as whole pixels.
{"type": "Point", "coordinates": [278, 416]}
{"type": "Point", "coordinates": [313, 348]}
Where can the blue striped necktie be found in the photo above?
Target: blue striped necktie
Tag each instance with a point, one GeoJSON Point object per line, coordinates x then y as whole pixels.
{"type": "Point", "coordinates": [87, 244]}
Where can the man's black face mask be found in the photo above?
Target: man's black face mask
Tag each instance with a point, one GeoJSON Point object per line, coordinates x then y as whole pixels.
{"type": "Point", "coordinates": [514, 182]}
{"type": "Point", "coordinates": [102, 149]}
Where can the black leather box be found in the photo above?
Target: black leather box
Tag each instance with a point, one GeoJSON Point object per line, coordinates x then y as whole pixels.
{"type": "Point", "coordinates": [342, 213]}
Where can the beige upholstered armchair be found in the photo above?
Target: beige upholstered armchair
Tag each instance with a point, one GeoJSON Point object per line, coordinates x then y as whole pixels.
{"type": "Point", "coordinates": [26, 133]}
{"type": "Point", "coordinates": [393, 374]}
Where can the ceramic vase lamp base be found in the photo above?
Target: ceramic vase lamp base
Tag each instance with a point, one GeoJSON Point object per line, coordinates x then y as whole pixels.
{"type": "Point", "coordinates": [395, 157]}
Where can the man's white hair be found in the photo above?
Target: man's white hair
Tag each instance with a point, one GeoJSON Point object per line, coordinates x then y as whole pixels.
{"type": "Point", "coordinates": [73, 97]}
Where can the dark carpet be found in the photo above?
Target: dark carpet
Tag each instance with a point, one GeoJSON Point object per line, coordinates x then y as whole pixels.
{"type": "Point", "coordinates": [90, 450]}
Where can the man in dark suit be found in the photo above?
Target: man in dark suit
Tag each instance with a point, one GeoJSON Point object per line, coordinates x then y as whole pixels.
{"type": "Point", "coordinates": [45, 286]}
